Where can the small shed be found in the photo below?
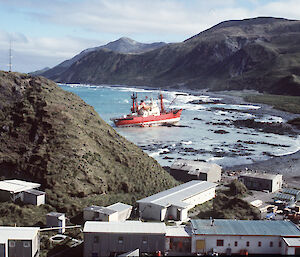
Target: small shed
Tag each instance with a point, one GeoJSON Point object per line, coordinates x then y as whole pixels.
{"type": "Point", "coordinates": [123, 210]}
{"type": "Point", "coordinates": [187, 170]}
{"type": "Point", "coordinates": [262, 181]}
{"type": "Point", "coordinates": [34, 197]}
{"type": "Point", "coordinates": [12, 190]}
{"type": "Point", "coordinates": [56, 219]}
{"type": "Point", "coordinates": [99, 213]}
{"type": "Point", "coordinates": [284, 197]}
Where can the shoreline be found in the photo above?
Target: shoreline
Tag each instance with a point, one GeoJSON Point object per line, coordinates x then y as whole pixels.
{"type": "Point", "coordinates": [288, 165]}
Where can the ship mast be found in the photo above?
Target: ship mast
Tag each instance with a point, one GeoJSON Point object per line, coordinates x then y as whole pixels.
{"type": "Point", "coordinates": [133, 97]}
{"type": "Point", "coordinates": [162, 108]}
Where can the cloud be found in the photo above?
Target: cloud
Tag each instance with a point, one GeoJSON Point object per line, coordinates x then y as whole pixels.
{"type": "Point", "coordinates": [62, 28]}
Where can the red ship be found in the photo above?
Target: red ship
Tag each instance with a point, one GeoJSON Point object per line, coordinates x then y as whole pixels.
{"type": "Point", "coordinates": [148, 114]}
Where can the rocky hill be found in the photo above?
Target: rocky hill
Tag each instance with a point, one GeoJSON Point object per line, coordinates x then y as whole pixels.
{"type": "Point", "coordinates": [261, 53]}
{"type": "Point", "coordinates": [52, 137]}
{"type": "Point", "coordinates": [123, 45]}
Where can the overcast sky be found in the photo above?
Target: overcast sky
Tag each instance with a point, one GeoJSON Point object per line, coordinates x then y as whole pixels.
{"type": "Point", "coordinates": [47, 32]}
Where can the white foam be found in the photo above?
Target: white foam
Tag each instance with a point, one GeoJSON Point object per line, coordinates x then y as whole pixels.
{"type": "Point", "coordinates": [186, 142]}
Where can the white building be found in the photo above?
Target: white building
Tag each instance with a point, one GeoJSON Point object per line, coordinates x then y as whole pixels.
{"type": "Point", "coordinates": [19, 241]}
{"type": "Point", "coordinates": [115, 212]}
{"type": "Point", "coordinates": [186, 170]}
{"type": "Point", "coordinates": [12, 190]}
{"type": "Point", "coordinates": [262, 181]}
{"type": "Point", "coordinates": [56, 219]}
{"type": "Point", "coordinates": [115, 238]}
{"type": "Point", "coordinates": [291, 246]}
{"type": "Point", "coordinates": [174, 203]}
{"type": "Point", "coordinates": [123, 210]}
{"type": "Point", "coordinates": [243, 236]}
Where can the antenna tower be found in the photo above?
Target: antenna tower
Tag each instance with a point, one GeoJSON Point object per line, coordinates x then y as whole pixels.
{"type": "Point", "coordinates": [10, 56]}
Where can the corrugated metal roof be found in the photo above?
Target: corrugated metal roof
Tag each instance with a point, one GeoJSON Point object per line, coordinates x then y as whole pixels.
{"type": "Point", "coordinates": [17, 233]}
{"type": "Point", "coordinates": [128, 226]}
{"type": "Point", "coordinates": [176, 195]}
{"type": "Point", "coordinates": [100, 209]}
{"type": "Point", "coordinates": [119, 207]}
{"type": "Point", "coordinates": [16, 186]}
{"type": "Point", "coordinates": [281, 196]}
{"type": "Point", "coordinates": [291, 191]}
{"type": "Point", "coordinates": [178, 231]}
{"type": "Point", "coordinates": [195, 167]}
{"type": "Point", "coordinates": [292, 241]}
{"type": "Point", "coordinates": [246, 227]}
{"type": "Point", "coordinates": [267, 176]}
{"type": "Point", "coordinates": [35, 192]}
{"type": "Point", "coordinates": [55, 214]}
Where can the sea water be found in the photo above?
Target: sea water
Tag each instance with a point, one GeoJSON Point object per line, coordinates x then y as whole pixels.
{"type": "Point", "coordinates": [204, 132]}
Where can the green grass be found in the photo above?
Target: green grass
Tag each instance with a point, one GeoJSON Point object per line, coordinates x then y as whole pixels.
{"type": "Point", "coordinates": [281, 102]}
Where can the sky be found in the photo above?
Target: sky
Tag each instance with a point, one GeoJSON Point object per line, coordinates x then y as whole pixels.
{"type": "Point", "coordinates": [44, 33]}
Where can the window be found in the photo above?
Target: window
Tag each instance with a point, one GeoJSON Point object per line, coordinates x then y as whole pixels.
{"type": "Point", "coordinates": [220, 242]}
{"type": "Point", "coordinates": [247, 243]}
{"type": "Point", "coordinates": [271, 244]}
{"type": "Point", "coordinates": [120, 240]}
{"type": "Point", "coordinates": [259, 244]}
{"type": "Point", "coordinates": [235, 243]}
{"type": "Point", "coordinates": [279, 244]}
{"type": "Point", "coordinates": [12, 244]}
{"type": "Point", "coordinates": [144, 241]}
{"type": "Point", "coordinates": [26, 244]}
{"type": "Point", "coordinates": [96, 239]}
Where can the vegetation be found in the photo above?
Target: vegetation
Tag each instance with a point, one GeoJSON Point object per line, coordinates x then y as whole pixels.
{"type": "Point", "coordinates": [228, 204]}
{"type": "Point", "coordinates": [280, 102]}
{"type": "Point", "coordinates": [52, 137]}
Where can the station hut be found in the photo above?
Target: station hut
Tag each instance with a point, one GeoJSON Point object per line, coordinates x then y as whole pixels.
{"type": "Point", "coordinates": [99, 213]}
{"type": "Point", "coordinates": [115, 212]}
{"type": "Point", "coordinates": [174, 203]}
{"type": "Point", "coordinates": [56, 219]}
{"type": "Point", "coordinates": [113, 238]}
{"type": "Point", "coordinates": [262, 181]}
{"type": "Point", "coordinates": [12, 190]}
{"type": "Point", "coordinates": [19, 241]}
{"type": "Point", "coordinates": [187, 170]}
{"type": "Point", "coordinates": [242, 237]}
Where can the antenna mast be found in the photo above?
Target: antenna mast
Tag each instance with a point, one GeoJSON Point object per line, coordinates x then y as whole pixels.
{"type": "Point", "coordinates": [10, 56]}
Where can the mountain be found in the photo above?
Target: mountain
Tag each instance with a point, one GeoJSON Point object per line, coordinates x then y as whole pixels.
{"type": "Point", "coordinates": [261, 54]}
{"type": "Point", "coordinates": [52, 137]}
{"type": "Point", "coordinates": [38, 72]}
{"type": "Point", "coordinates": [122, 45]}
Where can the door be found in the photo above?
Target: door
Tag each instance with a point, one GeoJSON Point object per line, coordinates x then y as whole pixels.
{"type": "Point", "coordinates": [2, 250]}
{"type": "Point", "coordinates": [200, 246]}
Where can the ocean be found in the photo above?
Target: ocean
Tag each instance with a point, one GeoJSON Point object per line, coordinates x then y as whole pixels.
{"type": "Point", "coordinates": [205, 131]}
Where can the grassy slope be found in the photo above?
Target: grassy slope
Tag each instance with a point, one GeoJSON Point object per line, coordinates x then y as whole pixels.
{"type": "Point", "coordinates": [53, 137]}
{"type": "Point", "coordinates": [280, 102]}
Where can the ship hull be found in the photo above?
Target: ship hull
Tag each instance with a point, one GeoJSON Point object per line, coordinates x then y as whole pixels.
{"type": "Point", "coordinates": [151, 120]}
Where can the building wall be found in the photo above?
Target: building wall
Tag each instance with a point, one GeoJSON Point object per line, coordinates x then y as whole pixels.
{"type": "Point", "coordinates": [124, 215]}
{"type": "Point", "coordinates": [254, 183]}
{"type": "Point", "coordinates": [214, 175]}
{"type": "Point", "coordinates": [18, 248]}
{"type": "Point", "coordinates": [5, 196]}
{"type": "Point", "coordinates": [201, 197]}
{"type": "Point", "coordinates": [34, 199]}
{"type": "Point", "coordinates": [152, 211]}
{"type": "Point", "coordinates": [53, 221]}
{"type": "Point", "coordinates": [106, 243]}
{"type": "Point", "coordinates": [229, 242]}
{"type": "Point", "coordinates": [276, 183]}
